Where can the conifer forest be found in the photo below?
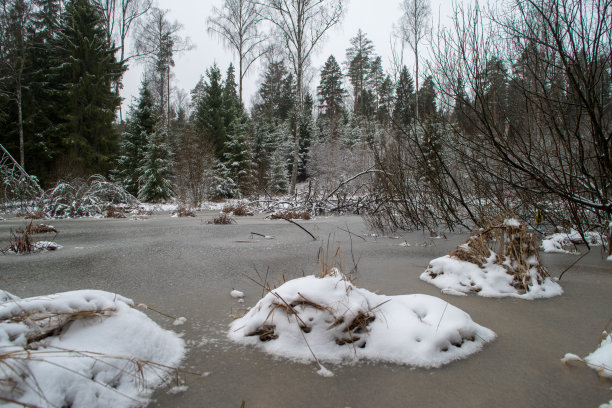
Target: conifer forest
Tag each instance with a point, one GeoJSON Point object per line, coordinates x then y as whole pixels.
{"type": "Point", "coordinates": [506, 108]}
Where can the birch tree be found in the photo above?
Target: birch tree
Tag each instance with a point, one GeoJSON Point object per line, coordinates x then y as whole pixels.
{"type": "Point", "coordinates": [237, 24]}
{"type": "Point", "coordinates": [301, 24]}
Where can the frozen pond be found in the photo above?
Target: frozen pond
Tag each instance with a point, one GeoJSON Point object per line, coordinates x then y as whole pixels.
{"type": "Point", "coordinates": [186, 267]}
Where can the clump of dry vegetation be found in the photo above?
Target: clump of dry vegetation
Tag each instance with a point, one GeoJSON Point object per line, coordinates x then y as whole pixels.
{"type": "Point", "coordinates": [222, 219]}
{"type": "Point", "coordinates": [22, 241]}
{"type": "Point", "coordinates": [290, 215]}
{"type": "Point", "coordinates": [509, 244]}
{"type": "Point", "coordinates": [239, 210]}
{"type": "Point", "coordinates": [115, 212]}
{"type": "Point", "coordinates": [32, 215]}
{"type": "Point", "coordinates": [184, 212]}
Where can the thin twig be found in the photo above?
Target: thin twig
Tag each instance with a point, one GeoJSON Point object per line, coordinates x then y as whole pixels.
{"type": "Point", "coordinates": [573, 263]}
{"type": "Point", "coordinates": [295, 223]}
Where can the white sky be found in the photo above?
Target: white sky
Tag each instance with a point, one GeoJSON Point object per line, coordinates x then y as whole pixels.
{"type": "Point", "coordinates": [375, 17]}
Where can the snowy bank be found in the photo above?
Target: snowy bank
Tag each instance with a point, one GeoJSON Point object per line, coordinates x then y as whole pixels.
{"type": "Point", "coordinates": [565, 243]}
{"type": "Point", "coordinates": [84, 348]}
{"type": "Point", "coordinates": [336, 321]}
{"type": "Point", "coordinates": [501, 261]}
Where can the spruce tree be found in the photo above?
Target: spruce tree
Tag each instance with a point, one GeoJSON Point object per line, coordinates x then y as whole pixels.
{"type": "Point", "coordinates": [331, 95]}
{"type": "Point", "coordinates": [84, 69]}
{"type": "Point", "coordinates": [155, 181]}
{"type": "Point", "coordinates": [237, 156]}
{"type": "Point", "coordinates": [209, 115]}
{"type": "Point", "coordinates": [142, 122]}
{"type": "Point", "coordinates": [404, 109]}
{"type": "Point", "coordinates": [358, 60]}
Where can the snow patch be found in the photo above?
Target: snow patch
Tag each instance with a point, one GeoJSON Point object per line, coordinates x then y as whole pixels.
{"type": "Point", "coordinates": [83, 348]}
{"type": "Point", "coordinates": [341, 322]}
{"type": "Point", "coordinates": [565, 243]}
{"type": "Point", "coordinates": [236, 294]}
{"type": "Point", "coordinates": [492, 280]}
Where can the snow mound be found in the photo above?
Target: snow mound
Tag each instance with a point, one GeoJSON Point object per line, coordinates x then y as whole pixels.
{"type": "Point", "coordinates": [336, 321]}
{"type": "Point", "coordinates": [83, 348]}
{"type": "Point", "coordinates": [601, 358]}
{"type": "Point", "coordinates": [500, 261]}
{"type": "Point", "coordinates": [492, 280]}
{"type": "Point", "coordinates": [565, 243]}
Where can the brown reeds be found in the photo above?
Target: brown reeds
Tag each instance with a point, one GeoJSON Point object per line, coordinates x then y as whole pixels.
{"type": "Point", "coordinates": [115, 212]}
{"type": "Point", "coordinates": [507, 243]}
{"type": "Point", "coordinates": [185, 212]}
{"type": "Point", "coordinates": [222, 219]}
{"type": "Point", "coordinates": [291, 215]}
{"type": "Point", "coordinates": [239, 210]}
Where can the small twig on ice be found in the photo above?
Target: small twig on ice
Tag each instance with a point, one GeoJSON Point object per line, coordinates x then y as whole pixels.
{"type": "Point", "coordinates": [295, 223]}
{"type": "Point", "coordinates": [573, 263]}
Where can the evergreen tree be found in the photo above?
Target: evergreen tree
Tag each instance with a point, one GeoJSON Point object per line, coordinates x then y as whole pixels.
{"type": "Point", "coordinates": [237, 156]}
{"type": "Point", "coordinates": [231, 102]}
{"type": "Point", "coordinates": [83, 69]}
{"type": "Point", "coordinates": [209, 115]}
{"type": "Point", "coordinates": [427, 100]}
{"type": "Point", "coordinates": [331, 93]}
{"type": "Point", "coordinates": [222, 186]}
{"type": "Point", "coordinates": [358, 60]}
{"type": "Point", "coordinates": [141, 124]}
{"type": "Point", "coordinates": [276, 93]}
{"type": "Point", "coordinates": [403, 111]}
{"type": "Point", "coordinates": [155, 181]}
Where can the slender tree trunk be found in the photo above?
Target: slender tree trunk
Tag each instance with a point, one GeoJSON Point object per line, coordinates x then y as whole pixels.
{"type": "Point", "coordinates": [416, 81]}
{"type": "Point", "coordinates": [168, 99]}
{"type": "Point", "coordinates": [20, 125]}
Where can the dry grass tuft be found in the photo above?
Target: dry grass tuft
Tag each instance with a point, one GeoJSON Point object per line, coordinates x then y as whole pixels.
{"type": "Point", "coordinates": [291, 215]}
{"type": "Point", "coordinates": [36, 229]}
{"type": "Point", "coordinates": [222, 219]}
{"type": "Point", "coordinates": [239, 210]}
{"type": "Point", "coordinates": [507, 243]}
{"type": "Point", "coordinates": [115, 212]}
{"type": "Point", "coordinates": [185, 212]}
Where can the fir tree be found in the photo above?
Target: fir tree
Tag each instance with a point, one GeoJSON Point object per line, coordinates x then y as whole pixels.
{"type": "Point", "coordinates": [222, 186]}
{"type": "Point", "coordinates": [84, 69]}
{"type": "Point", "coordinates": [331, 92]}
{"type": "Point", "coordinates": [403, 111]}
{"type": "Point", "coordinates": [237, 156]}
{"type": "Point", "coordinates": [155, 181]}
{"type": "Point", "coordinates": [209, 115]}
{"type": "Point", "coordinates": [140, 125]}
{"type": "Point", "coordinates": [231, 103]}
{"type": "Point", "coordinates": [358, 60]}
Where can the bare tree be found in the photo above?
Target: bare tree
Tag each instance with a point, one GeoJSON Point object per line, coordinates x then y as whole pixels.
{"type": "Point", "coordinates": [120, 16]}
{"type": "Point", "coordinates": [414, 26]}
{"type": "Point", "coordinates": [156, 42]}
{"type": "Point", "coordinates": [301, 25]}
{"type": "Point", "coordinates": [237, 25]}
{"type": "Point", "coordinates": [14, 24]}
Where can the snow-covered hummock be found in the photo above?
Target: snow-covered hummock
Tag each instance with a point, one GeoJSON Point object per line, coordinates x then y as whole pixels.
{"type": "Point", "coordinates": [559, 242]}
{"type": "Point", "coordinates": [83, 348]}
{"type": "Point", "coordinates": [601, 358]}
{"type": "Point", "coordinates": [341, 322]}
{"type": "Point", "coordinates": [452, 275]}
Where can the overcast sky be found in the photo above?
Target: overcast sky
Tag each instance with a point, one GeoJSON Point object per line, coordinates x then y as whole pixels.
{"type": "Point", "coordinates": [375, 17]}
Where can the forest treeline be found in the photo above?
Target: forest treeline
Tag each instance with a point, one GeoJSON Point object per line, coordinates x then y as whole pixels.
{"type": "Point", "coordinates": [509, 112]}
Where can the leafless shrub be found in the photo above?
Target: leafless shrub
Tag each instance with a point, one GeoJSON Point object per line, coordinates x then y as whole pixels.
{"type": "Point", "coordinates": [85, 198]}
{"type": "Point", "coordinates": [32, 228]}
{"type": "Point", "coordinates": [32, 215]}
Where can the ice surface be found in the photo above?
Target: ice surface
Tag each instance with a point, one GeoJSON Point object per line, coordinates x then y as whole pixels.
{"type": "Point", "coordinates": [341, 322]}
{"type": "Point", "coordinates": [102, 353]}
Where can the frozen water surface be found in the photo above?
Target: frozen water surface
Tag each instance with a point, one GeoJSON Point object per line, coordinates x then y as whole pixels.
{"type": "Point", "coordinates": [187, 268]}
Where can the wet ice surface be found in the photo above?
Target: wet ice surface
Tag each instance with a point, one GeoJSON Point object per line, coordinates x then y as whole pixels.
{"type": "Point", "coordinates": [187, 268]}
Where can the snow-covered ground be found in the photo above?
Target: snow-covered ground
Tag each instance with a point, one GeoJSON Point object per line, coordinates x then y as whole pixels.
{"type": "Point", "coordinates": [82, 348]}
{"type": "Point", "coordinates": [565, 243]}
{"type": "Point", "coordinates": [454, 276]}
{"type": "Point", "coordinates": [334, 320]}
